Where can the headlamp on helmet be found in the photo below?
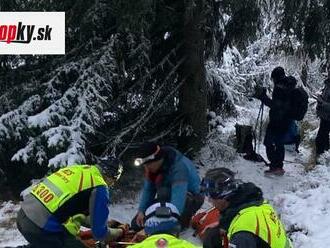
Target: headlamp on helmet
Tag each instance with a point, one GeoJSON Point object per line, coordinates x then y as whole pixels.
{"type": "Point", "coordinates": [141, 161]}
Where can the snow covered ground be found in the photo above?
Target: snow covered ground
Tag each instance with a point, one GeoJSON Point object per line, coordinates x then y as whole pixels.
{"type": "Point", "coordinates": [302, 199]}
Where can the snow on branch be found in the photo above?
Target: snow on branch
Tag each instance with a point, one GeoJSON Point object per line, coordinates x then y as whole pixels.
{"type": "Point", "coordinates": [60, 130]}
{"type": "Point", "coordinates": [74, 153]}
{"type": "Point", "coordinates": [23, 154]}
{"type": "Point", "coordinates": [14, 123]}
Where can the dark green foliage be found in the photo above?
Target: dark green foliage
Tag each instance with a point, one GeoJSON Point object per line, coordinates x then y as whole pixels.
{"type": "Point", "coordinates": [140, 67]}
{"type": "Point", "coordinates": [291, 15]}
{"type": "Point", "coordinates": [132, 15]}
{"type": "Point", "coordinates": [309, 21]}
{"type": "Point", "coordinates": [313, 36]}
{"type": "Point", "coordinates": [243, 23]}
{"type": "Point", "coordinates": [214, 35]}
{"type": "Point", "coordinates": [119, 67]}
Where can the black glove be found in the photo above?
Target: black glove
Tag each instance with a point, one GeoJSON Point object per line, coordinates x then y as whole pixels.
{"type": "Point", "coordinates": [259, 92]}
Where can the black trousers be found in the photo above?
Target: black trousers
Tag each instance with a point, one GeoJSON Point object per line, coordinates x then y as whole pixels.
{"type": "Point", "coordinates": [322, 138]}
{"type": "Point", "coordinates": [39, 238]}
{"type": "Point", "coordinates": [192, 204]}
{"type": "Point", "coordinates": [275, 154]}
{"type": "Point", "coordinates": [274, 146]}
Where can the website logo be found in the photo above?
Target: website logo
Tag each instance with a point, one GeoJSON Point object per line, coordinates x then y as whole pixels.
{"type": "Point", "coordinates": [32, 33]}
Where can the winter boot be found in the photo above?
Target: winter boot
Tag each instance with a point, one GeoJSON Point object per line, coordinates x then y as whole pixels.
{"type": "Point", "coordinates": [274, 172]}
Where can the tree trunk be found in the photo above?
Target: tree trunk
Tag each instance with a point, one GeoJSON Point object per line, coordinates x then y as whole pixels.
{"type": "Point", "coordinates": [327, 48]}
{"type": "Point", "coordinates": [193, 94]}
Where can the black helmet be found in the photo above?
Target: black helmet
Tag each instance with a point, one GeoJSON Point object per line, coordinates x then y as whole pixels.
{"type": "Point", "coordinates": [111, 167]}
{"type": "Point", "coordinates": [219, 183]}
{"type": "Point", "coordinates": [278, 74]}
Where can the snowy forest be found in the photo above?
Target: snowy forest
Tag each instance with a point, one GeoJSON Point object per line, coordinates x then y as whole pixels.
{"type": "Point", "coordinates": [176, 72]}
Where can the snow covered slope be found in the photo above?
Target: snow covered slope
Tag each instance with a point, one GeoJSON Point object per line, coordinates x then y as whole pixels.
{"type": "Point", "coordinates": [302, 199]}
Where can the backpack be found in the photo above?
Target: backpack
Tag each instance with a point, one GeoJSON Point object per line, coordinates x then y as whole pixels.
{"type": "Point", "coordinates": [244, 143]}
{"type": "Point", "coordinates": [204, 220]}
{"type": "Point", "coordinates": [299, 103]}
{"type": "Point", "coordinates": [244, 138]}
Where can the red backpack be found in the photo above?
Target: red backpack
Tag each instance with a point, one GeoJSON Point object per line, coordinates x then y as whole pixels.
{"type": "Point", "coordinates": [204, 220]}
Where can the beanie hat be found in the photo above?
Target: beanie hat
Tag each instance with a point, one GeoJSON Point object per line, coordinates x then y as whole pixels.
{"type": "Point", "coordinates": [149, 151]}
{"type": "Point", "coordinates": [278, 74]}
{"type": "Point", "coordinates": [163, 224]}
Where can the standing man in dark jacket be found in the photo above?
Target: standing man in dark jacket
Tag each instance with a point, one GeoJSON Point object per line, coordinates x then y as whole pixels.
{"type": "Point", "coordinates": [168, 171]}
{"type": "Point", "coordinates": [323, 112]}
{"type": "Point", "coordinates": [281, 128]}
{"type": "Point", "coordinates": [246, 219]}
{"type": "Point", "coordinates": [68, 192]}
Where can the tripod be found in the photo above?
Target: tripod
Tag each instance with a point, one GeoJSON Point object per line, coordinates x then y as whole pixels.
{"type": "Point", "coordinates": [258, 123]}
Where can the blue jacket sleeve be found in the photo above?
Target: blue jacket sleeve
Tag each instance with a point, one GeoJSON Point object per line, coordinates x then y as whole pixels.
{"type": "Point", "coordinates": [99, 211]}
{"type": "Point", "coordinates": [178, 195]}
{"type": "Point", "coordinates": [179, 187]}
{"type": "Point", "coordinates": [148, 195]}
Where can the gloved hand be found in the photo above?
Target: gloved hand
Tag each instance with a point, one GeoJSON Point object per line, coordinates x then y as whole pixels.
{"type": "Point", "coordinates": [259, 92]}
{"type": "Point", "coordinates": [114, 234]}
{"type": "Point", "coordinates": [73, 224]}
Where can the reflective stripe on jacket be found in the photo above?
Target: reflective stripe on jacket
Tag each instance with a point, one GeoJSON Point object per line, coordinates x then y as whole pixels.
{"type": "Point", "coordinates": [60, 186]}
{"type": "Point", "coordinates": [48, 196]}
{"type": "Point", "coordinates": [263, 222]}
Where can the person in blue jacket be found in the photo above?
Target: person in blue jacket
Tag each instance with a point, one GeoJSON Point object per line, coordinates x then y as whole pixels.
{"type": "Point", "coordinates": [169, 176]}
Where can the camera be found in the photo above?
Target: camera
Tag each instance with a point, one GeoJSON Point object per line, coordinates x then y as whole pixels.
{"type": "Point", "coordinates": [259, 91]}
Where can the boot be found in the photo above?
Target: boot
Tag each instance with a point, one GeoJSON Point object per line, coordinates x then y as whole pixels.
{"type": "Point", "coordinates": [275, 172]}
